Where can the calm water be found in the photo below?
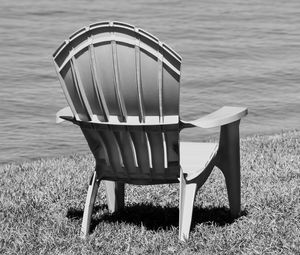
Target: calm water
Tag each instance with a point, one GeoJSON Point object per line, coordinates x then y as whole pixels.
{"type": "Point", "coordinates": [234, 53]}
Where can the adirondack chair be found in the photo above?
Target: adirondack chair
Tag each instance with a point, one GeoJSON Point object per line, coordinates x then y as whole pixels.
{"type": "Point", "coordinates": [122, 87]}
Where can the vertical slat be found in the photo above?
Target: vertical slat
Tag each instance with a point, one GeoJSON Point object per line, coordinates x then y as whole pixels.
{"type": "Point", "coordinates": [119, 95]}
{"type": "Point", "coordinates": [141, 148]}
{"type": "Point", "coordinates": [157, 151]}
{"type": "Point", "coordinates": [160, 86]}
{"type": "Point", "coordinates": [139, 82]}
{"type": "Point", "coordinates": [171, 83]}
{"type": "Point", "coordinates": [103, 154]}
{"type": "Point", "coordinates": [67, 75]}
{"type": "Point", "coordinates": [79, 88]}
{"type": "Point", "coordinates": [149, 84]}
{"type": "Point", "coordinates": [127, 72]}
{"type": "Point", "coordinates": [113, 150]}
{"type": "Point", "coordinates": [96, 144]}
{"type": "Point", "coordinates": [83, 66]}
{"type": "Point", "coordinates": [149, 153]}
{"type": "Point", "coordinates": [66, 92]}
{"type": "Point", "coordinates": [125, 144]}
{"type": "Point", "coordinates": [134, 151]}
{"type": "Point", "coordinates": [172, 138]}
{"type": "Point", "coordinates": [97, 83]}
{"type": "Point", "coordinates": [172, 144]}
{"type": "Point", "coordinates": [103, 52]}
{"type": "Point", "coordinates": [165, 151]}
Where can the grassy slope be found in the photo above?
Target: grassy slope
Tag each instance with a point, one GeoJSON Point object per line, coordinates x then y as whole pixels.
{"type": "Point", "coordinates": [41, 206]}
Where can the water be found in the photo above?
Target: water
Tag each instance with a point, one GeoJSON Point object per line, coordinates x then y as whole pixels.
{"type": "Point", "coordinates": [234, 53]}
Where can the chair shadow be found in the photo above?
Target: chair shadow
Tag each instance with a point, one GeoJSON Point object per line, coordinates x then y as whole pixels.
{"type": "Point", "coordinates": [157, 217]}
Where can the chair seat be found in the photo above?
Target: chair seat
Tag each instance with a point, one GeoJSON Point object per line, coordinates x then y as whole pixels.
{"type": "Point", "coordinates": [194, 157]}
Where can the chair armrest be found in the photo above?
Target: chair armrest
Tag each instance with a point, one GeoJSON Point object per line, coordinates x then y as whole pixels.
{"type": "Point", "coordinates": [223, 116]}
{"type": "Point", "coordinates": [64, 114]}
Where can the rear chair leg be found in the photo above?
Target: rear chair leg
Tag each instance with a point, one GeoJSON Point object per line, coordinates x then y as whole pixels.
{"type": "Point", "coordinates": [89, 204]}
{"type": "Point", "coordinates": [114, 195]}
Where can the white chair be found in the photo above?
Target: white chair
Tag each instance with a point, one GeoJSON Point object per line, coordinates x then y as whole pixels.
{"type": "Point", "coordinates": [122, 87]}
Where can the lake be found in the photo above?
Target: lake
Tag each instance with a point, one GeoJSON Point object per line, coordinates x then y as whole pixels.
{"type": "Point", "coordinates": [244, 53]}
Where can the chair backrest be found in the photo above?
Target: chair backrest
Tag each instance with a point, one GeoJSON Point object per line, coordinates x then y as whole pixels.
{"type": "Point", "coordinates": [113, 72]}
{"type": "Point", "coordinates": [122, 85]}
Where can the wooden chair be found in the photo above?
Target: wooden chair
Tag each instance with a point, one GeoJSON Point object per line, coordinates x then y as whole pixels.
{"type": "Point", "coordinates": [122, 87]}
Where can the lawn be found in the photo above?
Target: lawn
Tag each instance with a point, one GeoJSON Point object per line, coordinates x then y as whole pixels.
{"type": "Point", "coordinates": [41, 205]}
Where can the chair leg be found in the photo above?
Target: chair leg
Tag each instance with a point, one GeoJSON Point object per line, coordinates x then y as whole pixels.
{"type": "Point", "coordinates": [233, 185]}
{"type": "Point", "coordinates": [186, 203]}
{"type": "Point", "coordinates": [89, 204]}
{"type": "Point", "coordinates": [114, 195]}
{"type": "Point", "coordinates": [229, 163]}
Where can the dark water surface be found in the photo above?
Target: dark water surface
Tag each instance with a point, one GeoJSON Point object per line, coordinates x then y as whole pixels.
{"type": "Point", "coordinates": [234, 53]}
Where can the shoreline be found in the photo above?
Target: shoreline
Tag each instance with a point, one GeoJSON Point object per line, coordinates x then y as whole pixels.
{"type": "Point", "coordinates": [208, 138]}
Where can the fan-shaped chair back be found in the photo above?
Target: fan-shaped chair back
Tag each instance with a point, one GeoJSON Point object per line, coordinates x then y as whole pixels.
{"type": "Point", "coordinates": [116, 73]}
{"type": "Point", "coordinates": [122, 85]}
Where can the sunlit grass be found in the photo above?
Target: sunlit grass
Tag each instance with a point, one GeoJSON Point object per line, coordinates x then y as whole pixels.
{"type": "Point", "coordinates": [41, 205]}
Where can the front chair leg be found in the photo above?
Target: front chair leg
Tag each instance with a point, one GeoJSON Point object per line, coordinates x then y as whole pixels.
{"type": "Point", "coordinates": [186, 204]}
{"type": "Point", "coordinates": [89, 204]}
{"type": "Point", "coordinates": [114, 195]}
{"type": "Point", "coordinates": [229, 163]}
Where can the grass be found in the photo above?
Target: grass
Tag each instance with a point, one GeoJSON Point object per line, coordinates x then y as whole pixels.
{"type": "Point", "coordinates": [41, 205]}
